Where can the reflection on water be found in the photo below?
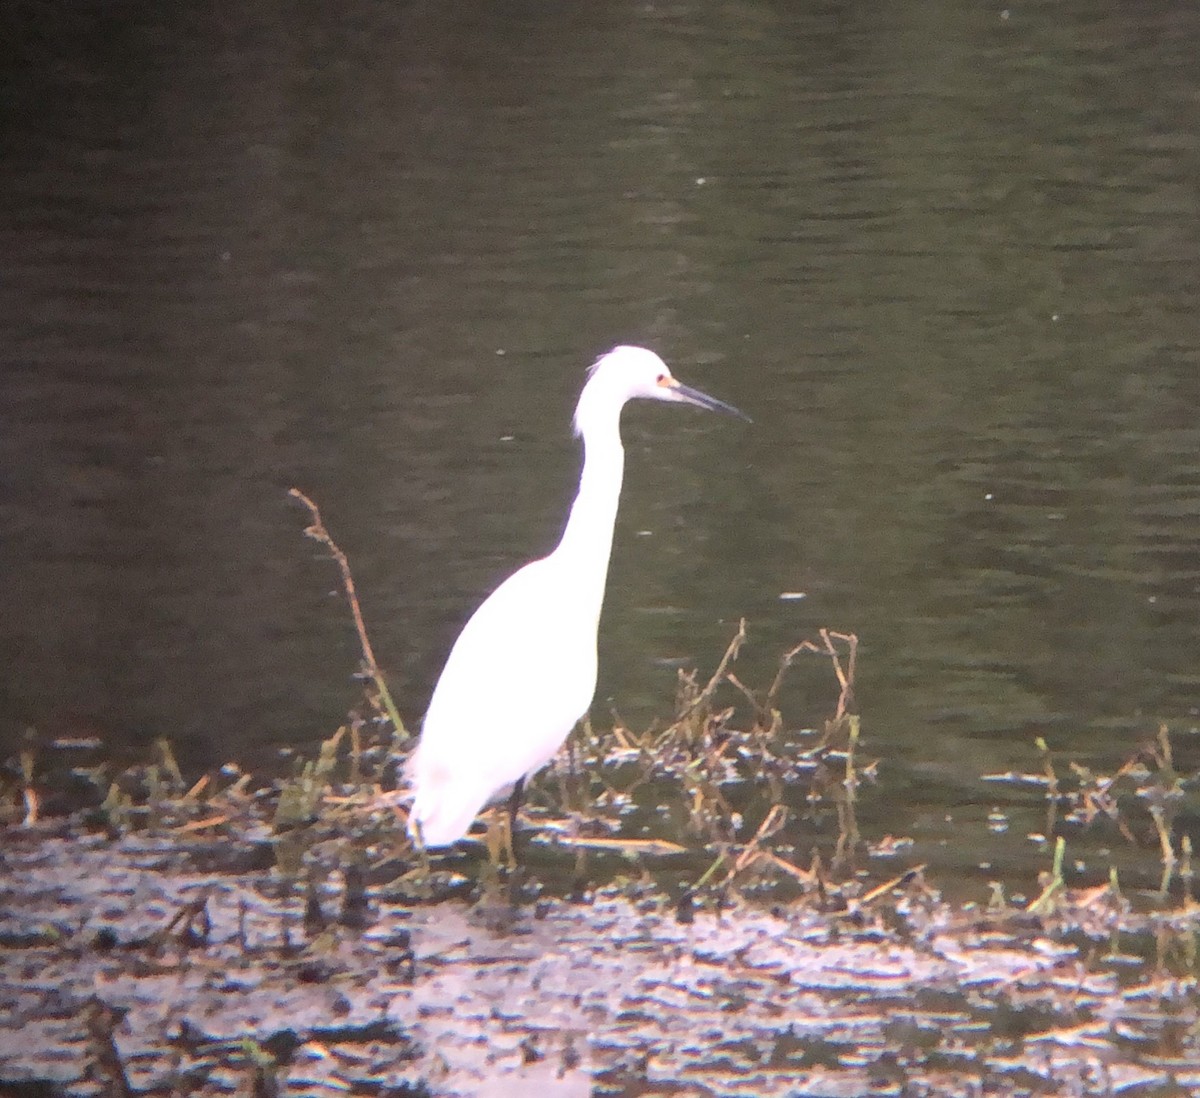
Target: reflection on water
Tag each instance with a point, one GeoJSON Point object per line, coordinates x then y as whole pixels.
{"type": "Point", "coordinates": [944, 257]}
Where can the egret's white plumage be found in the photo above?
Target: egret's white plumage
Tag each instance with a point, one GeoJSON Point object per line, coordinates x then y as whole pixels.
{"type": "Point", "coordinates": [523, 670]}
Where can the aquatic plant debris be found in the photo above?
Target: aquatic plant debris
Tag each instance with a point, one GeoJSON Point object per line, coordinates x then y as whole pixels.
{"type": "Point", "coordinates": [125, 968]}
{"type": "Point", "coordinates": [262, 936]}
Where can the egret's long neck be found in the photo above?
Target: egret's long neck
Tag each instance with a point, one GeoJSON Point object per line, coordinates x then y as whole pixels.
{"type": "Point", "coordinates": [586, 543]}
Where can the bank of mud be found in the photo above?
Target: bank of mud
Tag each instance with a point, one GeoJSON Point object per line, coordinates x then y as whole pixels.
{"type": "Point", "coordinates": [134, 965]}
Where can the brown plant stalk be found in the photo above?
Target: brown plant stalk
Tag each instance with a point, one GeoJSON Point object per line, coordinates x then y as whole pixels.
{"type": "Point", "coordinates": [317, 532]}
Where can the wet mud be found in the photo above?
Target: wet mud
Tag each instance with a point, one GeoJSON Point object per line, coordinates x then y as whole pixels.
{"type": "Point", "coordinates": [135, 965]}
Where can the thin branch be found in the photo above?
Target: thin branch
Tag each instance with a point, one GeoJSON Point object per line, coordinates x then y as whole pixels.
{"type": "Point", "coordinates": [731, 654]}
{"type": "Point", "coordinates": [318, 532]}
{"type": "Point", "coordinates": [845, 676]}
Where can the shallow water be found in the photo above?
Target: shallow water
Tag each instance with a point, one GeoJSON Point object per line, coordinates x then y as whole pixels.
{"type": "Point", "coordinates": [944, 257]}
{"type": "Point", "coordinates": [202, 975]}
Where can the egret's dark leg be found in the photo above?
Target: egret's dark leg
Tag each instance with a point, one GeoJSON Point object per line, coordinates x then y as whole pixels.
{"type": "Point", "coordinates": [514, 806]}
{"type": "Point", "coordinates": [514, 802]}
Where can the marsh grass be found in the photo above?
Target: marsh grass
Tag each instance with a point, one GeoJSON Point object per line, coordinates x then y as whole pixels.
{"type": "Point", "coordinates": [698, 766]}
{"type": "Point", "coordinates": [729, 797]}
{"type": "Point", "coordinates": [705, 769]}
{"type": "Point", "coordinates": [730, 774]}
{"type": "Point", "coordinates": [1140, 802]}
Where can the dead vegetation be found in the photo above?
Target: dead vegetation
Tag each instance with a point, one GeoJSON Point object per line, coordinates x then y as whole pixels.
{"type": "Point", "coordinates": [729, 798]}
{"type": "Point", "coordinates": [711, 868]}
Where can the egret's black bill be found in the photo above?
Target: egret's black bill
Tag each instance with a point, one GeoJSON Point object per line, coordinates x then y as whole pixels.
{"type": "Point", "coordinates": [703, 400]}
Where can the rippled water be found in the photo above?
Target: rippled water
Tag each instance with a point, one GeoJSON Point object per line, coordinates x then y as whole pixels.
{"type": "Point", "coordinates": [944, 256]}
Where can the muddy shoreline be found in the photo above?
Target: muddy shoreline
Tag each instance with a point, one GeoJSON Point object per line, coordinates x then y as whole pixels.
{"type": "Point", "coordinates": [133, 966]}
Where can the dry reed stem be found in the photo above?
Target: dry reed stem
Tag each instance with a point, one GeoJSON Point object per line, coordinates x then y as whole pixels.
{"type": "Point", "coordinates": [653, 847]}
{"type": "Point", "coordinates": [33, 802]}
{"type": "Point", "coordinates": [193, 794]}
{"type": "Point", "coordinates": [105, 1065]}
{"type": "Point", "coordinates": [887, 886]}
{"type": "Point", "coordinates": [845, 676]}
{"type": "Point", "coordinates": [1054, 883]}
{"type": "Point", "coordinates": [731, 654]}
{"type": "Point", "coordinates": [751, 853]}
{"type": "Point", "coordinates": [804, 876]}
{"type": "Point", "coordinates": [202, 825]}
{"type": "Point", "coordinates": [317, 532]}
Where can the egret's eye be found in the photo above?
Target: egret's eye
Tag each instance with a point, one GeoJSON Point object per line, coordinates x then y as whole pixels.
{"type": "Point", "coordinates": [662, 379]}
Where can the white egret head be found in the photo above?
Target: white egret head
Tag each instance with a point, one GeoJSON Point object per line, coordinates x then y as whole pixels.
{"type": "Point", "coordinates": [632, 373]}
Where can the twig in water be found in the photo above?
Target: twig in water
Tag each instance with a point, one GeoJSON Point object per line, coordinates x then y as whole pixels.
{"type": "Point", "coordinates": [318, 532]}
{"type": "Point", "coordinates": [32, 800]}
{"type": "Point", "coordinates": [1166, 848]}
{"type": "Point", "coordinates": [1054, 883]}
{"type": "Point", "coordinates": [105, 1064]}
{"type": "Point", "coordinates": [845, 676]}
{"type": "Point", "coordinates": [731, 654]}
{"type": "Point", "coordinates": [887, 886]}
{"type": "Point", "coordinates": [1051, 784]}
{"type": "Point", "coordinates": [1187, 874]}
{"type": "Point", "coordinates": [848, 834]}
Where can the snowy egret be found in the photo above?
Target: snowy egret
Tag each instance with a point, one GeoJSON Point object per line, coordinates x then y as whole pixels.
{"type": "Point", "coordinates": [523, 670]}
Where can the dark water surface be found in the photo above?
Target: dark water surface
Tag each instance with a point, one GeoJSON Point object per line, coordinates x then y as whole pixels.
{"type": "Point", "coordinates": [945, 255]}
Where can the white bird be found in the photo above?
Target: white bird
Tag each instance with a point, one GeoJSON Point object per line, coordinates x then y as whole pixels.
{"type": "Point", "coordinates": [523, 670]}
